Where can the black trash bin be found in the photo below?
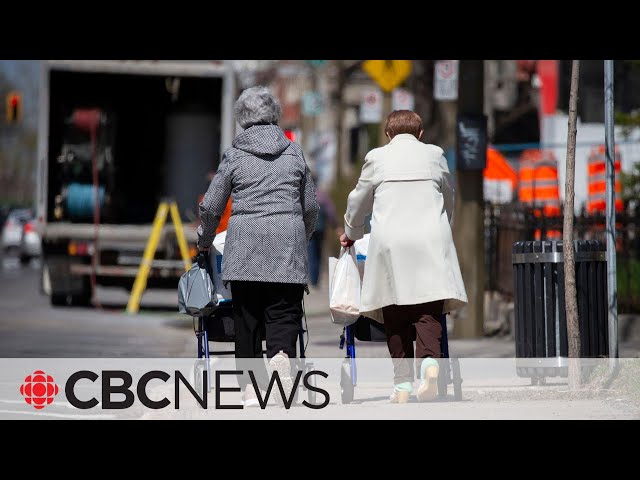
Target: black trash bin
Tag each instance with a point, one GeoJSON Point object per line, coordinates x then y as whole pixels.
{"type": "Point", "coordinates": [539, 307]}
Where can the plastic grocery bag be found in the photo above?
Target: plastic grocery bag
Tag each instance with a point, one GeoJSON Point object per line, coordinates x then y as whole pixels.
{"type": "Point", "coordinates": [361, 247]}
{"type": "Point", "coordinates": [196, 291]}
{"type": "Point", "coordinates": [223, 293]}
{"type": "Point", "coordinates": [344, 288]}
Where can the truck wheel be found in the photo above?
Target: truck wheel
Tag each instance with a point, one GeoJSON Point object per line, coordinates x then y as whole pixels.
{"type": "Point", "coordinates": [59, 300]}
{"type": "Point", "coordinates": [81, 300]}
{"type": "Point", "coordinates": [65, 296]}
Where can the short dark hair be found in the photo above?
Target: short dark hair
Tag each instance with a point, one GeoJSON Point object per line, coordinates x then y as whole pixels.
{"type": "Point", "coordinates": [403, 121]}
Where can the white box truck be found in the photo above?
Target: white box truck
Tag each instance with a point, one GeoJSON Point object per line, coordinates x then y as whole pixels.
{"type": "Point", "coordinates": [135, 132]}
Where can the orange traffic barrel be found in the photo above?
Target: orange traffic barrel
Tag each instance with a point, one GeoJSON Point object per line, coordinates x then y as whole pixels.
{"type": "Point", "coordinates": [597, 180]}
{"type": "Point", "coordinates": [538, 179]}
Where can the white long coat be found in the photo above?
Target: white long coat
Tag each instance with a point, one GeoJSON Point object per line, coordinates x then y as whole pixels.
{"type": "Point", "coordinates": [411, 257]}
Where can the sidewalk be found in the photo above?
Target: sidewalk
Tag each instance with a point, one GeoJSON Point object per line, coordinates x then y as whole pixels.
{"type": "Point", "coordinates": [317, 302]}
{"type": "Point", "coordinates": [324, 336]}
{"type": "Point", "coordinates": [490, 390]}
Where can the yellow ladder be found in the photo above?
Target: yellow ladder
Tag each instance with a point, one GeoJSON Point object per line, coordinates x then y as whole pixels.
{"type": "Point", "coordinates": [150, 251]}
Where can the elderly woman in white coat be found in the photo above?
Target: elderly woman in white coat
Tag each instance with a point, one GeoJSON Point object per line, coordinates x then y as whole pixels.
{"type": "Point", "coordinates": [412, 275]}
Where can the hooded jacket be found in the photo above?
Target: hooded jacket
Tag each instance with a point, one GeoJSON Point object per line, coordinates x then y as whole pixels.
{"type": "Point", "coordinates": [274, 208]}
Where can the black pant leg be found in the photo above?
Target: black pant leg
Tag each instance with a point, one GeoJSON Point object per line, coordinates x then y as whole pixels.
{"type": "Point", "coordinates": [283, 318]}
{"type": "Point", "coordinates": [248, 308]}
{"type": "Point", "coordinates": [248, 319]}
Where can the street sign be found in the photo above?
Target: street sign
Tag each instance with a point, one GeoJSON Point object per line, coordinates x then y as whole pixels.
{"type": "Point", "coordinates": [312, 103]}
{"type": "Point", "coordinates": [371, 105]}
{"type": "Point", "coordinates": [471, 142]}
{"type": "Point", "coordinates": [402, 99]}
{"type": "Point", "coordinates": [316, 63]}
{"type": "Point", "coordinates": [445, 84]}
{"type": "Point", "coordinates": [388, 74]}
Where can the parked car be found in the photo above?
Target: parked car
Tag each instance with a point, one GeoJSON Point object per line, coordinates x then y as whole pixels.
{"type": "Point", "coordinates": [19, 235]}
{"type": "Point", "coordinates": [13, 229]}
{"type": "Point", "coordinates": [31, 245]}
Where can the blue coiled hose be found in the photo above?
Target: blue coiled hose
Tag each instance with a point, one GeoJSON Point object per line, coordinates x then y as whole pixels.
{"type": "Point", "coordinates": [80, 200]}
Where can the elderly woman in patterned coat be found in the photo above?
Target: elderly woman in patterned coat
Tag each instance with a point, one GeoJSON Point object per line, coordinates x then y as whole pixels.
{"type": "Point", "coordinates": [274, 211]}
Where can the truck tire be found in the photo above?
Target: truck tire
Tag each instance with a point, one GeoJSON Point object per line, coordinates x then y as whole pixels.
{"type": "Point", "coordinates": [77, 300]}
{"type": "Point", "coordinates": [59, 300]}
{"type": "Point", "coordinates": [63, 291]}
{"type": "Point", "coordinates": [82, 299]}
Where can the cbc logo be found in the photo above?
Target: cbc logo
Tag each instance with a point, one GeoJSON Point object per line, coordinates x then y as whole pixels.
{"type": "Point", "coordinates": [39, 389]}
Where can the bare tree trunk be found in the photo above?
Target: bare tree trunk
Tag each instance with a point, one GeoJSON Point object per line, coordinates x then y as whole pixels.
{"type": "Point", "coordinates": [573, 327]}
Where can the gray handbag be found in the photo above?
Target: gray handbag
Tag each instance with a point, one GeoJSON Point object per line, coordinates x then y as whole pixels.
{"type": "Point", "coordinates": [196, 291]}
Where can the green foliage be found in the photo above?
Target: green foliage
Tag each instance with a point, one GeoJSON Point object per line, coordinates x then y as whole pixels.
{"type": "Point", "coordinates": [628, 121]}
{"type": "Point", "coordinates": [631, 188]}
{"type": "Point", "coordinates": [628, 280]}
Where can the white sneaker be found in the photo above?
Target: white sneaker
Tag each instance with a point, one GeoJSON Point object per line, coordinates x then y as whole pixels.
{"type": "Point", "coordinates": [249, 398]}
{"type": "Point", "coordinates": [280, 363]}
{"type": "Point", "coordinates": [398, 396]}
{"type": "Point", "coordinates": [401, 392]}
{"type": "Point", "coordinates": [428, 389]}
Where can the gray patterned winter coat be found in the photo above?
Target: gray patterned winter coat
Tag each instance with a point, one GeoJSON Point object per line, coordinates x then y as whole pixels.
{"type": "Point", "coordinates": [274, 208]}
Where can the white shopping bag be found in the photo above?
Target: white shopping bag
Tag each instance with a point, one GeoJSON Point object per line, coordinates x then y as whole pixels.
{"type": "Point", "coordinates": [223, 293]}
{"type": "Point", "coordinates": [344, 288]}
{"type": "Point", "coordinates": [361, 247]}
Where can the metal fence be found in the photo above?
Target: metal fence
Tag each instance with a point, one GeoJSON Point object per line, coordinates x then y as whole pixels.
{"type": "Point", "coordinates": [507, 224]}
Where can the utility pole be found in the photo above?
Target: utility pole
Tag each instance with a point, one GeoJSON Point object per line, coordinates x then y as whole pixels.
{"type": "Point", "coordinates": [612, 286]}
{"type": "Point", "coordinates": [344, 72]}
{"type": "Point", "coordinates": [447, 114]}
{"type": "Point", "coordinates": [571, 304]}
{"type": "Point", "coordinates": [468, 223]}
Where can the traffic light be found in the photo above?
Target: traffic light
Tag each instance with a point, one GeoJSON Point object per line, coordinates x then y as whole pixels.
{"type": "Point", "coordinates": [290, 134]}
{"type": "Point", "coordinates": [14, 107]}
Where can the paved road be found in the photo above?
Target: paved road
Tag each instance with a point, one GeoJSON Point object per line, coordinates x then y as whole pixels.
{"type": "Point", "coordinates": [31, 327]}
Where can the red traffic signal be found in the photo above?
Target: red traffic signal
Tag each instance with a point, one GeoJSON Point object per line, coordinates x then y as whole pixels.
{"type": "Point", "coordinates": [14, 107]}
{"type": "Point", "coordinates": [290, 134]}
